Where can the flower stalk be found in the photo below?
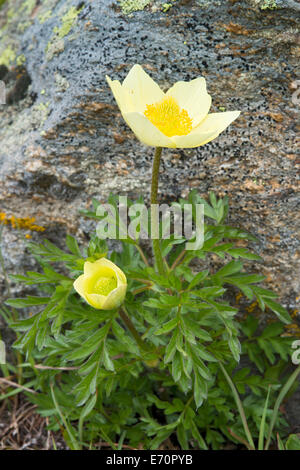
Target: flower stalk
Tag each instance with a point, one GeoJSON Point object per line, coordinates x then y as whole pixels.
{"type": "Point", "coordinates": [154, 212]}
{"type": "Point", "coordinates": [132, 330]}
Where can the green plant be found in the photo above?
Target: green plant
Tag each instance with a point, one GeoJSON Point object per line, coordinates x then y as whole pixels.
{"type": "Point", "coordinates": [292, 443]}
{"type": "Point", "coordinates": [163, 365]}
{"type": "Point", "coordinates": [154, 368]}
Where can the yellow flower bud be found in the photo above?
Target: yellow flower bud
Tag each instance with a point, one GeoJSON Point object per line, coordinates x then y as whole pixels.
{"type": "Point", "coordinates": [103, 285]}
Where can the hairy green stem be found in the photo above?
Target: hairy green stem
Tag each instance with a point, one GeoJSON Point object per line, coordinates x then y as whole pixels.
{"type": "Point", "coordinates": [154, 219]}
{"type": "Point", "coordinates": [132, 329]}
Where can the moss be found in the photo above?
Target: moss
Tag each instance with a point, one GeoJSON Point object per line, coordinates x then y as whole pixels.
{"type": "Point", "coordinates": [56, 43]}
{"type": "Point", "coordinates": [166, 7]}
{"type": "Point", "coordinates": [39, 114]}
{"type": "Point", "coordinates": [10, 14]}
{"type": "Point", "coordinates": [129, 6]}
{"type": "Point", "coordinates": [21, 59]}
{"type": "Point", "coordinates": [68, 21]}
{"type": "Point", "coordinates": [45, 16]}
{"type": "Point", "coordinates": [28, 5]}
{"type": "Point", "coordinates": [55, 46]}
{"type": "Point", "coordinates": [42, 107]}
{"type": "Point", "coordinates": [8, 56]}
{"type": "Point", "coordinates": [269, 5]}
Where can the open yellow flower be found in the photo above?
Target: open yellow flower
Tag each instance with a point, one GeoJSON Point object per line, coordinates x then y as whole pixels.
{"type": "Point", "coordinates": [177, 118]}
{"type": "Point", "coordinates": [103, 284]}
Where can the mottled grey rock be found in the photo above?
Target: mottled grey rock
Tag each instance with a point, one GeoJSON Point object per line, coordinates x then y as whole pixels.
{"type": "Point", "coordinates": [65, 141]}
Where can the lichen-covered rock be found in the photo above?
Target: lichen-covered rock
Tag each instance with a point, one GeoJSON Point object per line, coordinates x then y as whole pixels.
{"type": "Point", "coordinates": [63, 139]}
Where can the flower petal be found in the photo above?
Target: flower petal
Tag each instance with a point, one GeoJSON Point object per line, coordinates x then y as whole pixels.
{"type": "Point", "coordinates": [195, 138]}
{"type": "Point", "coordinates": [96, 300]}
{"type": "Point", "coordinates": [218, 121]}
{"type": "Point", "coordinates": [193, 97]}
{"type": "Point", "coordinates": [141, 88]}
{"type": "Point", "coordinates": [79, 285]}
{"type": "Point", "coordinates": [121, 95]}
{"type": "Point", "coordinates": [104, 262]}
{"type": "Point", "coordinates": [115, 298]}
{"type": "Point", "coordinates": [146, 132]}
{"type": "Point", "coordinates": [208, 130]}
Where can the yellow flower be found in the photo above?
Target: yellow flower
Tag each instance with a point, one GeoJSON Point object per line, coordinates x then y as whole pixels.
{"type": "Point", "coordinates": [103, 285]}
{"type": "Point", "coordinates": [177, 118]}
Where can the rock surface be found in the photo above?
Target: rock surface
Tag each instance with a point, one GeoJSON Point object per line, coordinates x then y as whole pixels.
{"type": "Point", "coordinates": [63, 140]}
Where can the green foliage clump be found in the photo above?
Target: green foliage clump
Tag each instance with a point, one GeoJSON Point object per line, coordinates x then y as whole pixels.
{"type": "Point", "coordinates": [164, 365]}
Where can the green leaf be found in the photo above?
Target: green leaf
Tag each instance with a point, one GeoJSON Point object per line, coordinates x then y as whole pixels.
{"type": "Point", "coordinates": [72, 244]}
{"type": "Point", "coordinates": [171, 348]}
{"type": "Point", "coordinates": [198, 278]}
{"type": "Point", "coordinates": [293, 442]}
{"type": "Point", "coordinates": [235, 347]}
{"type": "Point", "coordinates": [176, 366]}
{"type": "Point", "coordinates": [272, 330]}
{"type": "Point", "coordinates": [198, 437]}
{"type": "Point", "coordinates": [88, 407]}
{"type": "Point", "coordinates": [280, 311]}
{"type": "Point", "coordinates": [243, 253]}
{"type": "Point", "coordinates": [230, 268]}
{"type": "Point", "coordinates": [196, 329]}
{"type": "Point", "coordinates": [208, 292]}
{"type": "Point", "coordinates": [28, 301]}
{"type": "Point", "coordinates": [200, 389]}
{"type": "Point", "coordinates": [182, 437]}
{"type": "Point", "coordinates": [108, 364]}
{"type": "Point", "coordinates": [244, 278]}
{"type": "Point", "coordinates": [92, 343]}
{"type": "Point", "coordinates": [167, 327]}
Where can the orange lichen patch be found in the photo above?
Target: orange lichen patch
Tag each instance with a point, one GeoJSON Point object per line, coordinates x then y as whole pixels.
{"type": "Point", "coordinates": [27, 223]}
{"type": "Point", "coordinates": [118, 138]}
{"type": "Point", "coordinates": [292, 330]}
{"type": "Point", "coordinates": [253, 186]}
{"type": "Point", "coordinates": [252, 307]}
{"type": "Point", "coordinates": [237, 29]}
{"type": "Point", "coordinates": [278, 117]}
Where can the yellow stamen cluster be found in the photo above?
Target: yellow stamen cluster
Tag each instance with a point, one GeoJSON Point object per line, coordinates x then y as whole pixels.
{"type": "Point", "coordinates": [105, 285]}
{"type": "Point", "coordinates": [26, 223]}
{"type": "Point", "coordinates": [167, 116]}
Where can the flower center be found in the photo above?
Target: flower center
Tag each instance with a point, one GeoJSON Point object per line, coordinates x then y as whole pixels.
{"type": "Point", "coordinates": [104, 285]}
{"type": "Point", "coordinates": [167, 116]}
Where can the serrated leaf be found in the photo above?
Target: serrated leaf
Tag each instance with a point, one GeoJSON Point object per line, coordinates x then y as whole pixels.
{"type": "Point", "coordinates": [198, 278]}
{"type": "Point", "coordinates": [167, 327]}
{"type": "Point", "coordinates": [280, 311]}
{"type": "Point", "coordinates": [92, 343]}
{"type": "Point", "coordinates": [230, 268]}
{"type": "Point", "coordinates": [28, 301]}
{"type": "Point", "coordinates": [171, 348]}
